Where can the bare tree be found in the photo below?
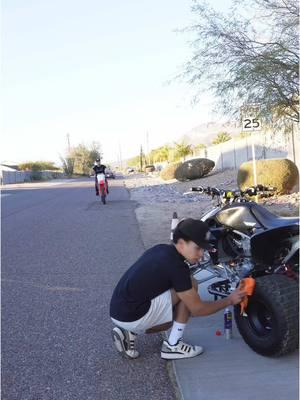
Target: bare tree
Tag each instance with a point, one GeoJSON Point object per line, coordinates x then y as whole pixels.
{"type": "Point", "coordinates": [248, 59]}
{"type": "Point", "coordinates": [67, 165]}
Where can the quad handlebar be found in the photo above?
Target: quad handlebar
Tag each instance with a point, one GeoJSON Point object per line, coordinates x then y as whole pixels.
{"type": "Point", "coordinates": [233, 195]}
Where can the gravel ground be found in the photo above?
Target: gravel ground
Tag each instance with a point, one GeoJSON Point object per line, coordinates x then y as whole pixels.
{"type": "Point", "coordinates": [157, 200]}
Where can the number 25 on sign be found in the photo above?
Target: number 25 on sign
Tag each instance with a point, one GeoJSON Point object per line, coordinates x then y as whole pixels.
{"type": "Point", "coordinates": [251, 124]}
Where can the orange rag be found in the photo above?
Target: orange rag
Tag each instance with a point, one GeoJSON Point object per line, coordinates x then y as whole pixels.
{"type": "Point", "coordinates": [247, 285]}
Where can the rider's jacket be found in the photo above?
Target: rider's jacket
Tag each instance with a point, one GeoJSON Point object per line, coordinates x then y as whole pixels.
{"type": "Point", "coordinates": [99, 169]}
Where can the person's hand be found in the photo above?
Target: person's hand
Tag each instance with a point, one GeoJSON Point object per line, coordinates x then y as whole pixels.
{"type": "Point", "coordinates": [237, 296]}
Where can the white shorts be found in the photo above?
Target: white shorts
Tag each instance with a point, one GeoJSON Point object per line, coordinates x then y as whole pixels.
{"type": "Point", "coordinates": [160, 312]}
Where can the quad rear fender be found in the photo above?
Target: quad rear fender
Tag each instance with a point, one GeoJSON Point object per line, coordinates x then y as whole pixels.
{"type": "Point", "coordinates": [264, 245]}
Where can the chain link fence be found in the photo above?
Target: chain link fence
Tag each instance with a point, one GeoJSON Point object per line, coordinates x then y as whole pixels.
{"type": "Point", "coordinates": [10, 177]}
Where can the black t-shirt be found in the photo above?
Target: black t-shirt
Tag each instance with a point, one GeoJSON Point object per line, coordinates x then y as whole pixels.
{"type": "Point", "coordinates": [157, 270]}
{"type": "Point", "coordinates": [99, 169]}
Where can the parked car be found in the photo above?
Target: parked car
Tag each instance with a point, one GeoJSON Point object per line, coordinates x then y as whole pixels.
{"type": "Point", "coordinates": [149, 168]}
{"type": "Point", "coordinates": [110, 174]}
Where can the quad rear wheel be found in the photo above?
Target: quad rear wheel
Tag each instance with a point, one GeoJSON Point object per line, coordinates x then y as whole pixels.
{"type": "Point", "coordinates": [271, 327]}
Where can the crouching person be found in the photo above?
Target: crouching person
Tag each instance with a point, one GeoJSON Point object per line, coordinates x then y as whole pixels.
{"type": "Point", "coordinates": [157, 293]}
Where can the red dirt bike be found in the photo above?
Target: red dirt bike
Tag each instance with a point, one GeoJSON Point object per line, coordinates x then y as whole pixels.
{"type": "Point", "coordinates": [102, 187]}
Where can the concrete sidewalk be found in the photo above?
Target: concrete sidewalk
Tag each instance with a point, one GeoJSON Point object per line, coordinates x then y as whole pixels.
{"type": "Point", "coordinates": [229, 369]}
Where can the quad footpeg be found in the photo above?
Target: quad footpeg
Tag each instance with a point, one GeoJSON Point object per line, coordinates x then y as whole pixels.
{"type": "Point", "coordinates": [220, 289]}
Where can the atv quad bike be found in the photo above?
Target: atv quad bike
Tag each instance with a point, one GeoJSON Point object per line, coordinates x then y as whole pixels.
{"type": "Point", "coordinates": [252, 242]}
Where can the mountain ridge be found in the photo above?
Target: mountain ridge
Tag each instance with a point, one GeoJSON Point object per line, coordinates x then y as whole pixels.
{"type": "Point", "coordinates": [206, 132]}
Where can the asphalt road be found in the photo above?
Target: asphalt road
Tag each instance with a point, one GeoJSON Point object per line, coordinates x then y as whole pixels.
{"type": "Point", "coordinates": [62, 254]}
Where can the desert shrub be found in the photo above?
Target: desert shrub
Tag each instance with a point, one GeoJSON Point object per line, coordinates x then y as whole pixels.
{"type": "Point", "coordinates": [38, 166]}
{"type": "Point", "coordinates": [36, 176]}
{"type": "Point", "coordinates": [169, 171]}
{"type": "Point", "coordinates": [194, 169]}
{"type": "Point", "coordinates": [280, 173]}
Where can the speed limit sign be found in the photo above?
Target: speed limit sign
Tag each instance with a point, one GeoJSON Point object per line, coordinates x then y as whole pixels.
{"type": "Point", "coordinates": [250, 117]}
{"type": "Point", "coordinates": [251, 124]}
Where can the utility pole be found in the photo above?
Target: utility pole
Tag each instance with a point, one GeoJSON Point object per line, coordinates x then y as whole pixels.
{"type": "Point", "coordinates": [147, 143]}
{"type": "Point", "coordinates": [68, 141]}
{"type": "Point", "coordinates": [120, 156]}
{"type": "Point", "coordinates": [141, 158]}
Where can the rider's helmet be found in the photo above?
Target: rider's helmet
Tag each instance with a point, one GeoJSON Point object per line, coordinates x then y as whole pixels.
{"type": "Point", "coordinates": [97, 160]}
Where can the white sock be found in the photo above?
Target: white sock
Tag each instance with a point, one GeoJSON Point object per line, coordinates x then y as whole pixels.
{"type": "Point", "coordinates": [176, 332]}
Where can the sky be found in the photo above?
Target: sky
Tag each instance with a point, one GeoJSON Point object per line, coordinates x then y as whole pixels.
{"type": "Point", "coordinates": [96, 71]}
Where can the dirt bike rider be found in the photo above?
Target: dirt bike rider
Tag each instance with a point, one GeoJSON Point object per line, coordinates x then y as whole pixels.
{"type": "Point", "coordinates": [99, 168]}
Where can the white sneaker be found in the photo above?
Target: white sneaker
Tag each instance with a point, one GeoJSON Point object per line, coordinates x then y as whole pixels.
{"type": "Point", "coordinates": [179, 350]}
{"type": "Point", "coordinates": [124, 342]}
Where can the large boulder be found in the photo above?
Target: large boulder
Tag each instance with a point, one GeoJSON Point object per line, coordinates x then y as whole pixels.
{"type": "Point", "coordinates": [280, 173]}
{"type": "Point", "coordinates": [194, 169]}
{"type": "Point", "coordinates": [169, 171]}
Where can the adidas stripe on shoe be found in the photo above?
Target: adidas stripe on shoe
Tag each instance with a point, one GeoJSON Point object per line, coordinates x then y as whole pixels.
{"type": "Point", "coordinates": [179, 350]}
{"type": "Point", "coordinates": [124, 342]}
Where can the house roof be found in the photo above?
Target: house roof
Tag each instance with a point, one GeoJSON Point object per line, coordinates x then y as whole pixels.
{"type": "Point", "coordinates": [6, 168]}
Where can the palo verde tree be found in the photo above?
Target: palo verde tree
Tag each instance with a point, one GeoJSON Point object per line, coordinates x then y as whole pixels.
{"type": "Point", "coordinates": [182, 150]}
{"type": "Point", "coordinates": [161, 153]}
{"type": "Point", "coordinates": [248, 55]}
{"type": "Point", "coordinates": [156, 155]}
{"type": "Point", "coordinates": [134, 162]}
{"type": "Point", "coordinates": [80, 159]}
{"type": "Point", "coordinates": [85, 156]}
{"type": "Point", "coordinates": [198, 147]}
{"type": "Point", "coordinates": [164, 152]}
{"type": "Point", "coordinates": [221, 138]}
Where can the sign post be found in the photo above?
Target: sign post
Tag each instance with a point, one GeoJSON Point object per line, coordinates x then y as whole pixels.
{"type": "Point", "coordinates": [251, 123]}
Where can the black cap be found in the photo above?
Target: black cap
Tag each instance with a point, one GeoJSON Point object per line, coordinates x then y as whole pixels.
{"type": "Point", "coordinates": [98, 160]}
{"type": "Point", "coordinates": [195, 230]}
